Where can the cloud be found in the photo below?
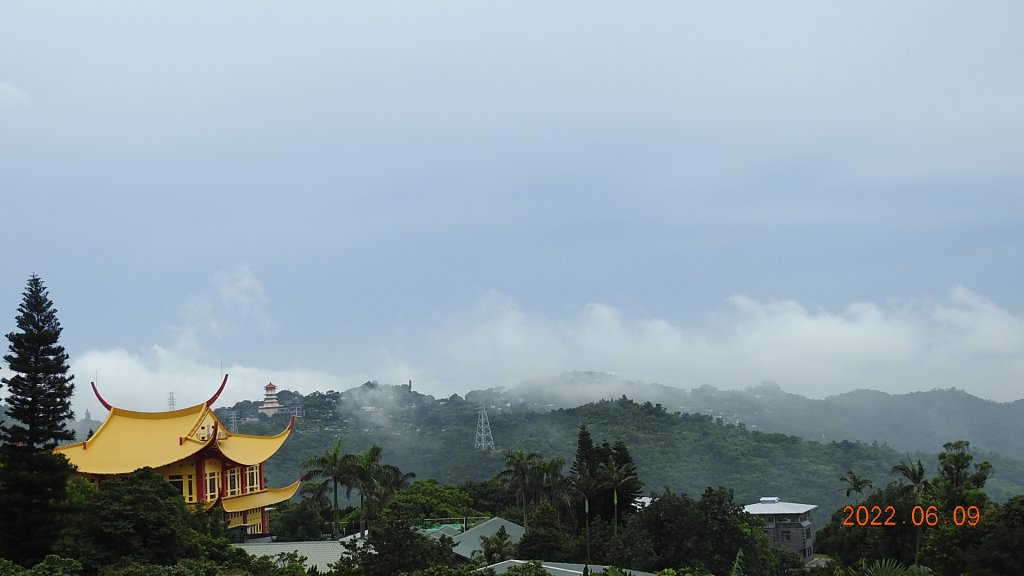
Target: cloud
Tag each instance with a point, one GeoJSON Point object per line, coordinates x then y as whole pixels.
{"type": "Point", "coordinates": [233, 306]}
{"type": "Point", "coordinates": [12, 96]}
{"type": "Point", "coordinates": [238, 303]}
{"type": "Point", "coordinates": [242, 293]}
{"type": "Point", "coordinates": [964, 341]}
{"type": "Point", "coordinates": [144, 380]}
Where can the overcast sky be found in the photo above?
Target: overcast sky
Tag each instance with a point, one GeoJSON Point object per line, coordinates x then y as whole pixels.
{"type": "Point", "coordinates": [829, 195]}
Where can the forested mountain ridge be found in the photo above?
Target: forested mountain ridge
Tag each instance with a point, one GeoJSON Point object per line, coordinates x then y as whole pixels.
{"type": "Point", "coordinates": [434, 438]}
{"type": "Point", "coordinates": [916, 421]}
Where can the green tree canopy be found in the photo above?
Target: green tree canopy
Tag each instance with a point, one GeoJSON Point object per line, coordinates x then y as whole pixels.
{"type": "Point", "coordinates": [429, 499]}
{"type": "Point", "coordinates": [39, 394]}
{"type": "Point", "coordinates": [333, 469]}
{"type": "Point", "coordinates": [137, 518]}
{"type": "Point", "coordinates": [32, 479]}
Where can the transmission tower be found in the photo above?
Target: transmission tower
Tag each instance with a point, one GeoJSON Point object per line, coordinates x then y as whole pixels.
{"type": "Point", "coordinates": [484, 440]}
{"type": "Point", "coordinates": [171, 403]}
{"type": "Point", "coordinates": [233, 415]}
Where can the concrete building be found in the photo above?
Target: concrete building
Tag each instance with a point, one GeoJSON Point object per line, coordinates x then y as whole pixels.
{"type": "Point", "coordinates": [787, 524]}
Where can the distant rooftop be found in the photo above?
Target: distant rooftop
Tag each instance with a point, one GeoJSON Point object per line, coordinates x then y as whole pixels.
{"type": "Point", "coordinates": [320, 554]}
{"type": "Point", "coordinates": [558, 568]}
{"type": "Point", "coordinates": [469, 541]}
{"type": "Point", "coordinates": [772, 505]}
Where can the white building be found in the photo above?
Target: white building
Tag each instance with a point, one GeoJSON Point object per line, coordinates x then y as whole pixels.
{"type": "Point", "coordinates": [787, 524]}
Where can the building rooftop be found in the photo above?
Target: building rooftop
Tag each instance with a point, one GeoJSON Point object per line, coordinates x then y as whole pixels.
{"type": "Point", "coordinates": [128, 440]}
{"type": "Point", "coordinates": [772, 505]}
{"type": "Point", "coordinates": [320, 554]}
{"type": "Point", "coordinates": [558, 568]}
{"type": "Point", "coordinates": [469, 541]}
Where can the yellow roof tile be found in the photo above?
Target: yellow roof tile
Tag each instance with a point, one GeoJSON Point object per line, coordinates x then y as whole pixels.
{"type": "Point", "coordinates": [129, 440]}
{"type": "Point", "coordinates": [251, 450]}
{"type": "Point", "coordinates": [260, 499]}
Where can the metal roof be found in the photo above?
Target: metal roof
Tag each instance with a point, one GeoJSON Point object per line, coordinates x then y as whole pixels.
{"type": "Point", "coordinates": [558, 568]}
{"type": "Point", "coordinates": [469, 541]}
{"type": "Point", "coordinates": [772, 505]}
{"type": "Point", "coordinates": [317, 553]}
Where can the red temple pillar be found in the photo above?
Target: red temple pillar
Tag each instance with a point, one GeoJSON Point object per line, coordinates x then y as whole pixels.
{"type": "Point", "coordinates": [201, 478]}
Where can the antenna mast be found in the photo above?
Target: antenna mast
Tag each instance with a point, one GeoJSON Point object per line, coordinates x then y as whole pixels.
{"type": "Point", "coordinates": [484, 440]}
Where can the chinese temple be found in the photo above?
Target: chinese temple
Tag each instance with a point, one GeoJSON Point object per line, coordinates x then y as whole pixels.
{"type": "Point", "coordinates": [193, 451]}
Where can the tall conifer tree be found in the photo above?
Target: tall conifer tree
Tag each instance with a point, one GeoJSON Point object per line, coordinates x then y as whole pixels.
{"type": "Point", "coordinates": [585, 460]}
{"type": "Point", "coordinates": [33, 480]}
{"type": "Point", "coordinates": [39, 393]}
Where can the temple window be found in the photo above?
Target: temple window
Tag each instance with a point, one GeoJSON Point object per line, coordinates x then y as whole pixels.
{"type": "Point", "coordinates": [252, 478]}
{"type": "Point", "coordinates": [234, 478]}
{"type": "Point", "coordinates": [212, 485]}
{"type": "Point", "coordinates": [185, 485]}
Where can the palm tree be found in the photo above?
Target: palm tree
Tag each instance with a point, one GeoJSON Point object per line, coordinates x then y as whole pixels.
{"type": "Point", "coordinates": [913, 472]}
{"type": "Point", "coordinates": [365, 469]}
{"type": "Point", "coordinates": [330, 467]}
{"type": "Point", "coordinates": [550, 476]}
{"type": "Point", "coordinates": [495, 548]}
{"type": "Point", "coordinates": [585, 484]}
{"type": "Point", "coordinates": [316, 493]}
{"type": "Point", "coordinates": [855, 483]}
{"type": "Point", "coordinates": [615, 477]}
{"type": "Point", "coordinates": [389, 481]}
{"type": "Point", "coordinates": [520, 474]}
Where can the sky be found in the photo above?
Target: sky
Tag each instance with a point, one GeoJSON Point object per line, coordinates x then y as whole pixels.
{"type": "Point", "coordinates": [828, 195]}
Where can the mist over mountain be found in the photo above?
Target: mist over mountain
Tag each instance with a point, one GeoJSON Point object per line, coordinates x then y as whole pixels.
{"type": "Point", "coordinates": [917, 421]}
{"type": "Point", "coordinates": [434, 438]}
{"type": "Point", "coordinates": [760, 442]}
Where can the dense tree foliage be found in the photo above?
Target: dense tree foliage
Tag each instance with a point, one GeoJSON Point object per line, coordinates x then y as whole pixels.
{"type": "Point", "coordinates": [948, 542]}
{"type": "Point", "coordinates": [296, 521]}
{"type": "Point", "coordinates": [393, 546]}
{"type": "Point", "coordinates": [138, 518]}
{"type": "Point", "coordinates": [333, 469]}
{"type": "Point", "coordinates": [38, 404]}
{"type": "Point", "coordinates": [39, 393]}
{"type": "Point", "coordinates": [546, 538]}
{"type": "Point", "coordinates": [430, 499]}
{"type": "Point", "coordinates": [683, 451]}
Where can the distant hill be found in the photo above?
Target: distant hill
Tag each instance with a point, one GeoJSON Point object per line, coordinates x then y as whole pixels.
{"type": "Point", "coordinates": [83, 427]}
{"type": "Point", "coordinates": [918, 421]}
{"type": "Point", "coordinates": [433, 437]}
{"type": "Point", "coordinates": [759, 442]}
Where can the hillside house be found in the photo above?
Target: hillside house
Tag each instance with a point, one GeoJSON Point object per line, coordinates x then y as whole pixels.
{"type": "Point", "coordinates": [787, 524]}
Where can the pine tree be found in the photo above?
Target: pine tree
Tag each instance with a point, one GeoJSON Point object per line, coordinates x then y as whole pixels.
{"type": "Point", "coordinates": [585, 456]}
{"type": "Point", "coordinates": [633, 488]}
{"type": "Point", "coordinates": [33, 480]}
{"type": "Point", "coordinates": [39, 394]}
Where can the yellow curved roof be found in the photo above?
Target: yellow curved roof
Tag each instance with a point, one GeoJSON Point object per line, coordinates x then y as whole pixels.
{"type": "Point", "coordinates": [260, 499]}
{"type": "Point", "coordinates": [129, 440]}
{"type": "Point", "coordinates": [250, 450]}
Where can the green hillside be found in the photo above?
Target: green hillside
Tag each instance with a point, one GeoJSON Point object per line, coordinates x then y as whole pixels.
{"type": "Point", "coordinates": [916, 421]}
{"type": "Point", "coordinates": [434, 438]}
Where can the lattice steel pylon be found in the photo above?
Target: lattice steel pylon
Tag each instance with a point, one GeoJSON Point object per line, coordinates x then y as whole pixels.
{"type": "Point", "coordinates": [484, 440]}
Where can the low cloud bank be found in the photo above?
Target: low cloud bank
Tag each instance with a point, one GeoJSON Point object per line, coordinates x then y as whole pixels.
{"type": "Point", "coordinates": [962, 340]}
